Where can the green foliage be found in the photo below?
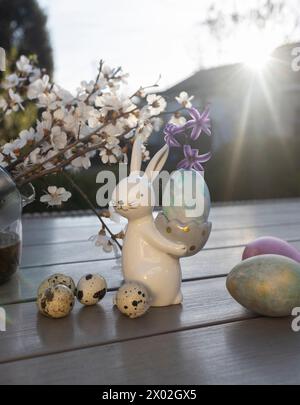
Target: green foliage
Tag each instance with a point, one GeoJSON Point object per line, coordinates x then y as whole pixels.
{"type": "Point", "coordinates": [16, 122]}
{"type": "Point", "coordinates": [23, 31]}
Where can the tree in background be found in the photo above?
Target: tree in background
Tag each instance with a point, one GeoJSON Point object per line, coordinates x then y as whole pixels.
{"type": "Point", "coordinates": [23, 31]}
{"type": "Point", "coordinates": [236, 29]}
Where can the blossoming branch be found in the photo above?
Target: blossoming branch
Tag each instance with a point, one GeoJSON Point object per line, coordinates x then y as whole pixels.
{"type": "Point", "coordinates": [71, 129]}
{"type": "Point", "coordinates": [99, 121]}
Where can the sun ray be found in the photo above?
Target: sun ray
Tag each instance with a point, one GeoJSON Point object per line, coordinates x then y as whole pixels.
{"type": "Point", "coordinates": [236, 155]}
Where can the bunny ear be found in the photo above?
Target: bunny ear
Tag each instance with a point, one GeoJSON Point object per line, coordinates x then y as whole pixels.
{"type": "Point", "coordinates": [157, 162]}
{"type": "Point", "coordinates": [136, 156]}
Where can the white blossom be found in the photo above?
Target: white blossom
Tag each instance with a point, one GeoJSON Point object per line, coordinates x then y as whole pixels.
{"type": "Point", "coordinates": [71, 122]}
{"type": "Point", "coordinates": [45, 125]}
{"type": "Point", "coordinates": [113, 215]}
{"type": "Point", "coordinates": [82, 112]}
{"type": "Point", "coordinates": [56, 196]}
{"type": "Point", "coordinates": [86, 86]}
{"type": "Point", "coordinates": [104, 241]}
{"type": "Point", "coordinates": [59, 114]}
{"type": "Point", "coordinates": [112, 102]}
{"type": "Point", "coordinates": [26, 136]}
{"type": "Point", "coordinates": [35, 156]}
{"type": "Point", "coordinates": [157, 104]}
{"type": "Point", "coordinates": [37, 88]}
{"type": "Point", "coordinates": [130, 122]}
{"type": "Point", "coordinates": [11, 81]}
{"type": "Point", "coordinates": [93, 118]}
{"type": "Point", "coordinates": [184, 99]}
{"type": "Point", "coordinates": [58, 138]}
{"type": "Point", "coordinates": [145, 131]}
{"type": "Point", "coordinates": [157, 123]}
{"type": "Point", "coordinates": [111, 142]}
{"type": "Point", "coordinates": [48, 100]}
{"type": "Point", "coordinates": [107, 70]}
{"type": "Point", "coordinates": [23, 64]}
{"type": "Point", "coordinates": [65, 96]}
{"type": "Point", "coordinates": [16, 100]}
{"type": "Point", "coordinates": [112, 152]}
{"type": "Point", "coordinates": [177, 120]}
{"type": "Point", "coordinates": [145, 154]}
{"type": "Point", "coordinates": [110, 155]}
{"type": "Point", "coordinates": [11, 149]}
{"type": "Point", "coordinates": [82, 161]}
{"type": "Point", "coordinates": [113, 130]}
{"type": "Point", "coordinates": [144, 114]}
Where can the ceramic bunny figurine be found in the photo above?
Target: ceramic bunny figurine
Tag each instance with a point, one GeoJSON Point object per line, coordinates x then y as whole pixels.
{"type": "Point", "coordinates": [147, 257]}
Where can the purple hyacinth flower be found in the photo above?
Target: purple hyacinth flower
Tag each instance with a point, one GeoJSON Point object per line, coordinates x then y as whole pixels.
{"type": "Point", "coordinates": [192, 160]}
{"type": "Point", "coordinates": [199, 122]}
{"type": "Point", "coordinates": [170, 132]}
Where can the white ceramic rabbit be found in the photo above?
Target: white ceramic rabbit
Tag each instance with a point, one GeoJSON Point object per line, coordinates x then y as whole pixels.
{"type": "Point", "coordinates": [147, 256]}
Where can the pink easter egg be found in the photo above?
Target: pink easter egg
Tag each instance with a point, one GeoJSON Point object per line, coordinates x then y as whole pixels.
{"type": "Point", "coordinates": [270, 245]}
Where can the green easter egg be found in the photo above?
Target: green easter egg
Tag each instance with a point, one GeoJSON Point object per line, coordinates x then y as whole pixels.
{"type": "Point", "coordinates": [266, 284]}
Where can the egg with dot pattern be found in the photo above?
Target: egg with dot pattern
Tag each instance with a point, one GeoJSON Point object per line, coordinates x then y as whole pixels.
{"type": "Point", "coordinates": [56, 279]}
{"type": "Point", "coordinates": [132, 299]}
{"type": "Point", "coordinates": [186, 197]}
{"type": "Point", "coordinates": [56, 301]}
{"type": "Point", "coordinates": [91, 288]}
{"type": "Point", "coordinates": [193, 235]}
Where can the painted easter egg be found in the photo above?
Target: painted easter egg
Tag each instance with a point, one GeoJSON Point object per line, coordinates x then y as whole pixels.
{"type": "Point", "coordinates": [270, 245]}
{"type": "Point", "coordinates": [266, 284]}
{"type": "Point", "coordinates": [192, 234]}
{"type": "Point", "coordinates": [186, 197]}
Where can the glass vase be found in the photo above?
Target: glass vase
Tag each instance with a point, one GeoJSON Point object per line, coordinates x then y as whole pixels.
{"type": "Point", "coordinates": [11, 204]}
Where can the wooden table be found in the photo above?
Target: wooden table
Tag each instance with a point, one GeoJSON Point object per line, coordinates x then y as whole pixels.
{"type": "Point", "coordinates": [209, 339]}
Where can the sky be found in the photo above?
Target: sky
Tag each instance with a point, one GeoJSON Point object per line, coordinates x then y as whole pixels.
{"type": "Point", "coordinates": [148, 38]}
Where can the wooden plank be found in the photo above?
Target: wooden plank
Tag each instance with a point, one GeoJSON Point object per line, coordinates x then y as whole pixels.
{"type": "Point", "coordinates": [206, 302]}
{"type": "Point", "coordinates": [225, 216]}
{"type": "Point", "coordinates": [217, 238]}
{"type": "Point", "coordinates": [258, 351]}
{"type": "Point", "coordinates": [49, 254]}
{"type": "Point", "coordinates": [208, 263]}
{"type": "Point", "coordinates": [58, 235]}
{"type": "Point", "coordinates": [64, 253]}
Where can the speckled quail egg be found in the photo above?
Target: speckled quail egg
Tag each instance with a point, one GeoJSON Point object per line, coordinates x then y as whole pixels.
{"type": "Point", "coordinates": [56, 301]}
{"type": "Point", "coordinates": [91, 288]}
{"type": "Point", "coordinates": [132, 299]}
{"type": "Point", "coordinates": [56, 279]}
